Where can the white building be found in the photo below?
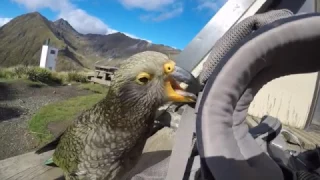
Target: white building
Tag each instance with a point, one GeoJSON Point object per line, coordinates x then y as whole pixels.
{"type": "Point", "coordinates": [49, 56]}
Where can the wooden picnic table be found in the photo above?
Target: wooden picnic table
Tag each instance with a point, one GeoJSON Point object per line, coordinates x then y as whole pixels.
{"type": "Point", "coordinates": [102, 74]}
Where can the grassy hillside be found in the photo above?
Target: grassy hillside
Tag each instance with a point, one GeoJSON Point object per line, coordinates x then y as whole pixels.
{"type": "Point", "coordinates": [22, 38]}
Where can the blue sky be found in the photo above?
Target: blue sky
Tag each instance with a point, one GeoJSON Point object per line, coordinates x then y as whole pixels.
{"type": "Point", "coordinates": [169, 22]}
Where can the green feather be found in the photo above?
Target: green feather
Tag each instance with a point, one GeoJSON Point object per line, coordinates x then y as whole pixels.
{"type": "Point", "coordinates": [49, 162]}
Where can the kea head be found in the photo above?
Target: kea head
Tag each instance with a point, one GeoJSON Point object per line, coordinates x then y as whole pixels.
{"type": "Point", "coordinates": [152, 79]}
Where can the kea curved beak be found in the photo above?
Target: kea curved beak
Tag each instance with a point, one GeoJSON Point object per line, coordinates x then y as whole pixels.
{"type": "Point", "coordinates": [175, 92]}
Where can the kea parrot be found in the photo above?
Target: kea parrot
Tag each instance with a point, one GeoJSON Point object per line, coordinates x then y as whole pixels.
{"type": "Point", "coordinates": [104, 142]}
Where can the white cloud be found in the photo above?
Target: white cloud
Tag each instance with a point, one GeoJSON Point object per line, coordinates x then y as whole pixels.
{"type": "Point", "coordinates": [4, 21]}
{"type": "Point", "coordinates": [158, 10]}
{"type": "Point", "coordinates": [148, 5]}
{"type": "Point", "coordinates": [212, 5]}
{"type": "Point", "coordinates": [111, 31]}
{"type": "Point", "coordinates": [171, 11]}
{"type": "Point", "coordinates": [78, 18]}
{"type": "Point", "coordinates": [56, 5]}
{"type": "Point", "coordinates": [129, 35]}
{"type": "Point", "coordinates": [85, 23]}
{"type": "Point", "coordinates": [168, 14]}
{"type": "Point", "coordinates": [135, 37]}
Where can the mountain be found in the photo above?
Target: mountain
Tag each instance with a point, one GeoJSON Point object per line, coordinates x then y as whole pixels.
{"type": "Point", "coordinates": [22, 38]}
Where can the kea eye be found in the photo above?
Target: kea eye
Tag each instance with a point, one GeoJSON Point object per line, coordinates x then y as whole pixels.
{"type": "Point", "coordinates": [169, 67]}
{"type": "Point", "coordinates": [143, 78]}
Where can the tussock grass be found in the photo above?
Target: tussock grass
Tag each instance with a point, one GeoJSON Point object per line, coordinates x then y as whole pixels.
{"type": "Point", "coordinates": [96, 88]}
{"type": "Point", "coordinates": [37, 74]}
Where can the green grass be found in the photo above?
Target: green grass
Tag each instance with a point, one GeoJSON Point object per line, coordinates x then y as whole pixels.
{"type": "Point", "coordinates": [25, 81]}
{"type": "Point", "coordinates": [59, 111]}
{"type": "Point", "coordinates": [96, 88]}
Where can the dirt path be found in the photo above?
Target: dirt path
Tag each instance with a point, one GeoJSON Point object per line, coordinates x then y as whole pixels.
{"type": "Point", "coordinates": [18, 102]}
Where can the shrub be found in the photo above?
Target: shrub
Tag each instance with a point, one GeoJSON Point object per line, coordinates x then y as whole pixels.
{"type": "Point", "coordinates": [42, 75]}
{"type": "Point", "coordinates": [76, 77]}
{"type": "Point", "coordinates": [55, 78]}
{"type": "Point", "coordinates": [61, 76]}
{"type": "Point", "coordinates": [20, 71]}
{"type": "Point", "coordinates": [38, 74]}
{"type": "Point", "coordinates": [6, 73]}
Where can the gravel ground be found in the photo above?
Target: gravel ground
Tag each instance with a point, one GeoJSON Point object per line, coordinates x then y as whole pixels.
{"type": "Point", "coordinates": [18, 102]}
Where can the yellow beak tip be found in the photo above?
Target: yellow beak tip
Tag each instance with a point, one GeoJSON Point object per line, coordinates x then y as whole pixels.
{"type": "Point", "coordinates": [174, 96]}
